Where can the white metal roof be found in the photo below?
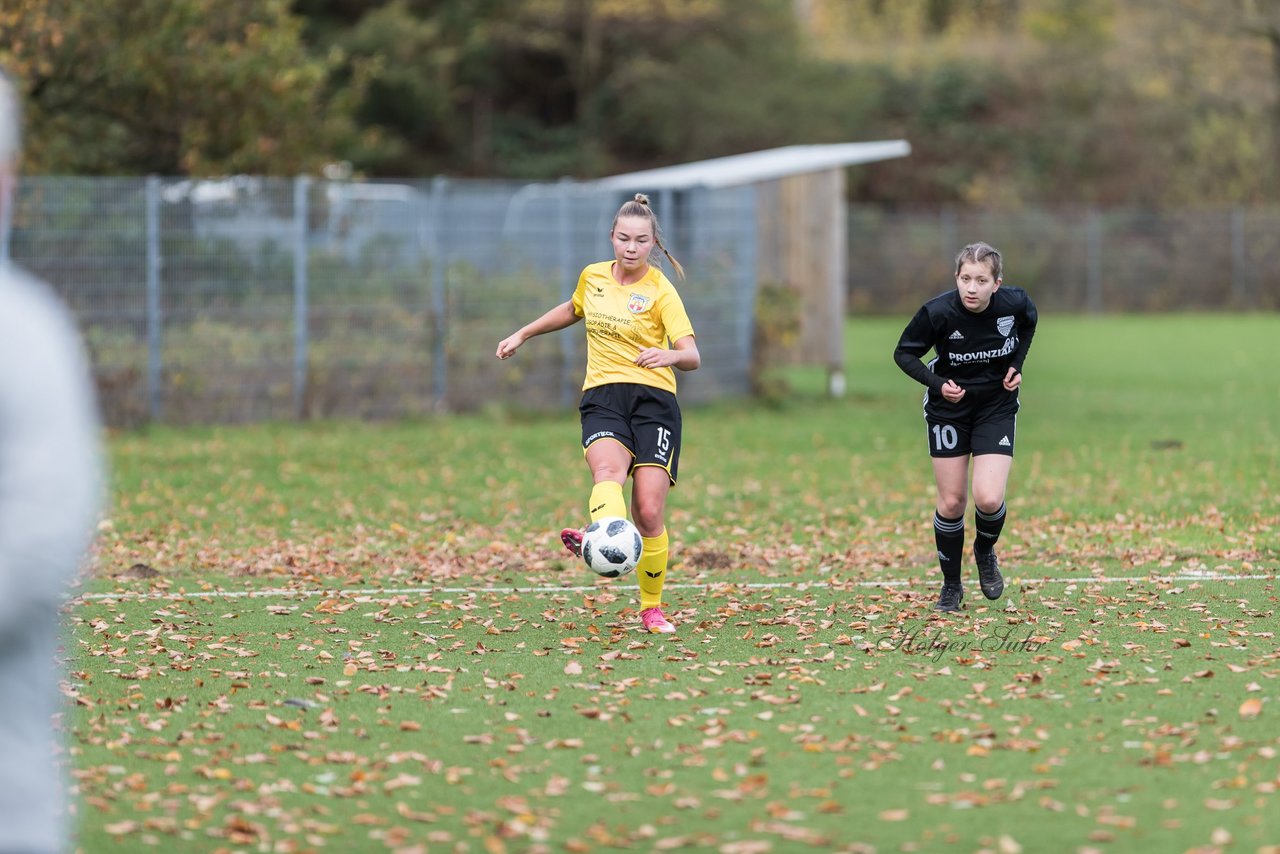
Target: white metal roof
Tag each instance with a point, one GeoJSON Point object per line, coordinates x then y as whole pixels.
{"type": "Point", "coordinates": [767, 165]}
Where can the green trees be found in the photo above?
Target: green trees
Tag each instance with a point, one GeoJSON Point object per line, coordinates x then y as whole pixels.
{"type": "Point", "coordinates": [544, 88]}
{"type": "Point", "coordinates": [1005, 102]}
{"type": "Point", "coordinates": [1010, 102]}
{"type": "Point", "coordinates": [168, 86]}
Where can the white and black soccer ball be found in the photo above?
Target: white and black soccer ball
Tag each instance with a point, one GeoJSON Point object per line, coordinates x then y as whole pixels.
{"type": "Point", "coordinates": [611, 546]}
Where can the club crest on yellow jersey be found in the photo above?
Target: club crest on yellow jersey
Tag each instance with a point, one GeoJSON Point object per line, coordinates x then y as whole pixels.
{"type": "Point", "coordinates": [638, 303]}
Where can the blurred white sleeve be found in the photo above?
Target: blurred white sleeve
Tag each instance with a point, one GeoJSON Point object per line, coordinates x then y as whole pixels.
{"type": "Point", "coordinates": [50, 465]}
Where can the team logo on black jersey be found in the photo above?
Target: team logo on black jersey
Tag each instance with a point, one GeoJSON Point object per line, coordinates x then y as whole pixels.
{"type": "Point", "coordinates": [1004, 325]}
{"type": "Point", "coordinates": [637, 304]}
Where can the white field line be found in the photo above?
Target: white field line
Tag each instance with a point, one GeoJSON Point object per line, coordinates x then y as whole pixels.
{"type": "Point", "coordinates": [375, 594]}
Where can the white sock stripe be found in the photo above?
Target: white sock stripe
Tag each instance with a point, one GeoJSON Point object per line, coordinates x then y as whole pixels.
{"type": "Point", "coordinates": [999, 514]}
{"type": "Point", "coordinates": [947, 526]}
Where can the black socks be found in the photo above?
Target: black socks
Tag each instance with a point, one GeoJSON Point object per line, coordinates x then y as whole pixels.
{"type": "Point", "coordinates": [988, 526]}
{"type": "Point", "coordinates": [949, 535]}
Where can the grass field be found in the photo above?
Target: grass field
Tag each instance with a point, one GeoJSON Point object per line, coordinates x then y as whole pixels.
{"type": "Point", "coordinates": [361, 637]}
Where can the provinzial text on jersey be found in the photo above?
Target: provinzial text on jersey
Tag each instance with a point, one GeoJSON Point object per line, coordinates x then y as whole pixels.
{"type": "Point", "coordinates": [1010, 345]}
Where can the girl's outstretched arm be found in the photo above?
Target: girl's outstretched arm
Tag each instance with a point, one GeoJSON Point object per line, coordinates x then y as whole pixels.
{"type": "Point", "coordinates": [557, 318]}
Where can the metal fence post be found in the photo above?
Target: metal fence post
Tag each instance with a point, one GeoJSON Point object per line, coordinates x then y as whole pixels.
{"type": "Point", "coordinates": [301, 313]}
{"type": "Point", "coordinates": [1239, 293]}
{"type": "Point", "coordinates": [6, 228]}
{"type": "Point", "coordinates": [948, 227]}
{"type": "Point", "coordinates": [568, 387]}
{"type": "Point", "coordinates": [1093, 262]}
{"type": "Point", "coordinates": [155, 366]}
{"type": "Point", "coordinates": [435, 246]}
{"type": "Point", "coordinates": [671, 229]}
{"type": "Point", "coordinates": [745, 275]}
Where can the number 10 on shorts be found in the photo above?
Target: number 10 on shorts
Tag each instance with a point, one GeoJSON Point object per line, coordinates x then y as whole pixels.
{"type": "Point", "coordinates": [944, 437]}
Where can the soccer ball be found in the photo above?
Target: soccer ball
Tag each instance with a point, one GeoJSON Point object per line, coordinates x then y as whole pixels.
{"type": "Point", "coordinates": [611, 546]}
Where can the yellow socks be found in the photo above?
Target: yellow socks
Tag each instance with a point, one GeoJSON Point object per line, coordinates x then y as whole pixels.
{"type": "Point", "coordinates": [652, 570]}
{"type": "Point", "coordinates": [607, 500]}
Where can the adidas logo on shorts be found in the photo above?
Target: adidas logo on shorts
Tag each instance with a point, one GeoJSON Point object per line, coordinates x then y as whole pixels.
{"type": "Point", "coordinates": [1004, 442]}
{"type": "Point", "coordinates": [956, 336]}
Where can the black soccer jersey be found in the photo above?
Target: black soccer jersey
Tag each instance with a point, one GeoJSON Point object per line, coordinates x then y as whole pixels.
{"type": "Point", "coordinates": [975, 350]}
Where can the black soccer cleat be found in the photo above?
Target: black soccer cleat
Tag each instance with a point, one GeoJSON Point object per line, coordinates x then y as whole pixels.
{"type": "Point", "coordinates": [951, 597]}
{"type": "Point", "coordinates": [989, 577]}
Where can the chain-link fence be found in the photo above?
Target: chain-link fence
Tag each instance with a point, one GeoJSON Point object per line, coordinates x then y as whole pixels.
{"type": "Point", "coordinates": [1074, 260]}
{"type": "Point", "coordinates": [255, 298]}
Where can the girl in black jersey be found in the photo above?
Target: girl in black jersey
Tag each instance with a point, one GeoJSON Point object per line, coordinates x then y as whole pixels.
{"type": "Point", "coordinates": [980, 334]}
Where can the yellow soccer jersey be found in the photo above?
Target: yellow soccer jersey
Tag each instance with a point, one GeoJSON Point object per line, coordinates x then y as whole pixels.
{"type": "Point", "coordinates": [622, 320]}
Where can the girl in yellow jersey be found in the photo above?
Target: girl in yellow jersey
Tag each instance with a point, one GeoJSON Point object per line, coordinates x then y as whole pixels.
{"type": "Point", "coordinates": [637, 332]}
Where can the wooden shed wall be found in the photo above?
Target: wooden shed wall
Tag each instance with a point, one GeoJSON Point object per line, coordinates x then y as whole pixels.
{"type": "Point", "coordinates": [801, 247]}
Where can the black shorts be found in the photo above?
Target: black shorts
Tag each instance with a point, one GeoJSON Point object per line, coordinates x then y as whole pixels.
{"type": "Point", "coordinates": [644, 419]}
{"type": "Point", "coordinates": [984, 425]}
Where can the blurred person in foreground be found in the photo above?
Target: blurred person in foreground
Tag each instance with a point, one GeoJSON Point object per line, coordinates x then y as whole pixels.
{"type": "Point", "coordinates": [49, 498]}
